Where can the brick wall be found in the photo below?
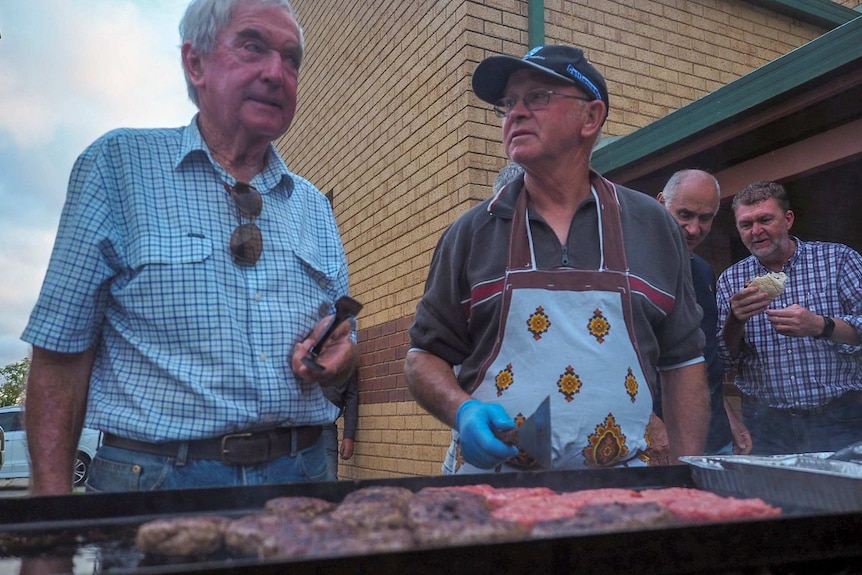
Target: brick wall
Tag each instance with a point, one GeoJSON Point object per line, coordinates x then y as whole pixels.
{"type": "Point", "coordinates": [388, 125]}
{"type": "Point", "coordinates": [658, 56]}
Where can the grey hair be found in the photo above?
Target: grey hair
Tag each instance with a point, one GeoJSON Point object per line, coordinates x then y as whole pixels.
{"type": "Point", "coordinates": [671, 188]}
{"type": "Point", "coordinates": [204, 20]}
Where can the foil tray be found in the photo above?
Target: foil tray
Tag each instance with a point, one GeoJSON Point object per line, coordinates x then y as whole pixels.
{"type": "Point", "coordinates": [806, 481]}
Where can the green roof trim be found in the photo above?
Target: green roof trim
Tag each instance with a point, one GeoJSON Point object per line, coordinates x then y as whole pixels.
{"type": "Point", "coordinates": [817, 58]}
{"type": "Point", "coordinates": [817, 12]}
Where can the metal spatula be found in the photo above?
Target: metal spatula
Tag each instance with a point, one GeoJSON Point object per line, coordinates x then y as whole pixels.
{"type": "Point", "coordinates": [533, 437]}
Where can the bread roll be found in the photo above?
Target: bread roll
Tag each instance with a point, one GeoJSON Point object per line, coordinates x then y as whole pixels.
{"type": "Point", "coordinates": [771, 283]}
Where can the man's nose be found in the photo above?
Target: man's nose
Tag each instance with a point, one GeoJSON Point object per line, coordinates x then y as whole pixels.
{"type": "Point", "coordinates": [273, 67]}
{"type": "Point", "coordinates": [519, 109]}
{"type": "Point", "coordinates": [691, 228]}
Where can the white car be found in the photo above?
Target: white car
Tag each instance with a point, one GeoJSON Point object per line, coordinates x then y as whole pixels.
{"type": "Point", "coordinates": [17, 460]}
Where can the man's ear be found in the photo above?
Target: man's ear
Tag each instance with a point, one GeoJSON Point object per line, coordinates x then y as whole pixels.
{"type": "Point", "coordinates": [790, 218]}
{"type": "Point", "coordinates": [193, 64]}
{"type": "Point", "coordinates": [595, 117]}
{"type": "Point", "coordinates": [660, 198]}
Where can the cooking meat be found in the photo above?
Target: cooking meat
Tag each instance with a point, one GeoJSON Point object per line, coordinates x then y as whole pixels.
{"type": "Point", "coordinates": [453, 517]}
{"type": "Point", "coordinates": [696, 505]}
{"type": "Point", "coordinates": [398, 496]}
{"type": "Point", "coordinates": [382, 519]}
{"type": "Point", "coordinates": [530, 510]}
{"type": "Point", "coordinates": [467, 532]}
{"type": "Point", "coordinates": [374, 508]}
{"type": "Point", "coordinates": [326, 537]}
{"type": "Point", "coordinates": [298, 506]}
{"type": "Point", "coordinates": [606, 517]}
{"type": "Point", "coordinates": [430, 505]}
{"type": "Point", "coordinates": [499, 496]}
{"type": "Point", "coordinates": [246, 534]}
{"type": "Point", "coordinates": [371, 515]}
{"type": "Point", "coordinates": [182, 536]}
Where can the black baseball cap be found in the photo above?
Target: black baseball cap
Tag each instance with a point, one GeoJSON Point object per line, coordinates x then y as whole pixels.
{"type": "Point", "coordinates": [562, 62]}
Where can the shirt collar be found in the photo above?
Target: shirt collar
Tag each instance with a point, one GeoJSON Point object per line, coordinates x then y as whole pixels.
{"type": "Point", "coordinates": [789, 264]}
{"type": "Point", "coordinates": [797, 254]}
{"type": "Point", "coordinates": [274, 177]}
{"type": "Point", "coordinates": [503, 202]}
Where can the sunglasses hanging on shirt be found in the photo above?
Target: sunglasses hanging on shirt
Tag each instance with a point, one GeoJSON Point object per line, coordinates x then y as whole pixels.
{"type": "Point", "coordinates": [246, 241]}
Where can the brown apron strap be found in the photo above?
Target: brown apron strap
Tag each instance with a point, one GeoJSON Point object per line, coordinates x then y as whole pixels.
{"type": "Point", "coordinates": [610, 233]}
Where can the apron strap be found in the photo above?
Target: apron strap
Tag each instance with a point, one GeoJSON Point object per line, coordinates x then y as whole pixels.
{"type": "Point", "coordinates": [612, 250]}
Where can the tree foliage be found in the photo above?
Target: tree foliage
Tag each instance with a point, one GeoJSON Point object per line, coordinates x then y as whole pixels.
{"type": "Point", "coordinates": [13, 380]}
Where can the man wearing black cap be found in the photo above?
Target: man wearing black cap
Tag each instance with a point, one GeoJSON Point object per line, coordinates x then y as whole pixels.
{"type": "Point", "coordinates": [562, 285]}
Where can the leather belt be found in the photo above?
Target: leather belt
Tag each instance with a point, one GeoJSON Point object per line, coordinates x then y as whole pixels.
{"type": "Point", "coordinates": [848, 398]}
{"type": "Point", "coordinates": [249, 448]}
{"type": "Point", "coordinates": [805, 412]}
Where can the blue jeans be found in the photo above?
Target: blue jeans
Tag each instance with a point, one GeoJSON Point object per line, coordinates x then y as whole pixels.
{"type": "Point", "coordinates": [116, 469]}
{"type": "Point", "coordinates": [778, 431]}
{"type": "Point", "coordinates": [329, 436]}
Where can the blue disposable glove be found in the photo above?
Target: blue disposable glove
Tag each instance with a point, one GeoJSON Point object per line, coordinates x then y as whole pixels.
{"type": "Point", "coordinates": [476, 422]}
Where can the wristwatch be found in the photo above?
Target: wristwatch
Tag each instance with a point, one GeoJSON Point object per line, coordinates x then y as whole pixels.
{"type": "Point", "coordinates": [828, 328]}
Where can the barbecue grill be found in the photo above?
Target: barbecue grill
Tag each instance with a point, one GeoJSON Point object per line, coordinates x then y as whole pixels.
{"type": "Point", "coordinates": [97, 532]}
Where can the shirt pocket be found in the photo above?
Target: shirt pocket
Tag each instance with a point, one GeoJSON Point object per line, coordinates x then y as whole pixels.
{"type": "Point", "coordinates": [320, 271]}
{"type": "Point", "coordinates": [190, 248]}
{"type": "Point", "coordinates": [170, 281]}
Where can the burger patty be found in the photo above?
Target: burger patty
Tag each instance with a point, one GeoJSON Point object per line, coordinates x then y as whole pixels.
{"type": "Point", "coordinates": [307, 507]}
{"type": "Point", "coordinates": [447, 517]}
{"type": "Point", "coordinates": [325, 536]}
{"type": "Point", "coordinates": [397, 496]}
{"type": "Point", "coordinates": [246, 534]}
{"type": "Point", "coordinates": [371, 515]}
{"type": "Point", "coordinates": [606, 517]}
{"type": "Point", "coordinates": [182, 536]}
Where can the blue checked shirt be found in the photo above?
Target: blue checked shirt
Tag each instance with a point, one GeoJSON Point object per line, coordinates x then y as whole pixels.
{"type": "Point", "coordinates": [798, 372]}
{"type": "Point", "coordinates": [189, 345]}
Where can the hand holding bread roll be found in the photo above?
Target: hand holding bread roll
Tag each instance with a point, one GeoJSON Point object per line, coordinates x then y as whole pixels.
{"type": "Point", "coordinates": [771, 283]}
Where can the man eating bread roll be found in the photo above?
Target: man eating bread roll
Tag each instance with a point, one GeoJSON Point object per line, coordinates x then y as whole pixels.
{"type": "Point", "coordinates": [771, 284]}
{"type": "Point", "coordinates": [790, 318]}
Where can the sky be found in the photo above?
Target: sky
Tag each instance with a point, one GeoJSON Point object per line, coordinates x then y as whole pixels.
{"type": "Point", "coordinates": [70, 70]}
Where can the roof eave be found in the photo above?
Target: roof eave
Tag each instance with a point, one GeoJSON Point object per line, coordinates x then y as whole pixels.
{"type": "Point", "coordinates": [816, 59]}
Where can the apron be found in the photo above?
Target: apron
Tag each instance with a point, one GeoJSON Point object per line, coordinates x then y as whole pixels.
{"type": "Point", "coordinates": [567, 334]}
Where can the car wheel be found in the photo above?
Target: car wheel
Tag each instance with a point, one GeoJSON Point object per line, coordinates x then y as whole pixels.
{"type": "Point", "coordinates": [82, 468]}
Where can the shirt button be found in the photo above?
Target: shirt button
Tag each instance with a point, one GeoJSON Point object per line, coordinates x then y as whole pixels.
{"type": "Point", "coordinates": [323, 283]}
{"type": "Point", "coordinates": [263, 357]}
{"type": "Point", "coordinates": [258, 297]}
{"type": "Point", "coordinates": [323, 310]}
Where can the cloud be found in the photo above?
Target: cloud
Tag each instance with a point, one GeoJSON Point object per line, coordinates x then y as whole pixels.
{"type": "Point", "coordinates": [70, 72]}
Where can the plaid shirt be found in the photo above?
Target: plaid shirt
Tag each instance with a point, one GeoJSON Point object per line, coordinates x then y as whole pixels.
{"type": "Point", "coordinates": [798, 372]}
{"type": "Point", "coordinates": [189, 345]}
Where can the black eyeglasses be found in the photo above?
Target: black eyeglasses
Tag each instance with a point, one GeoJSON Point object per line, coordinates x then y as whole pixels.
{"type": "Point", "coordinates": [246, 241]}
{"type": "Point", "coordinates": [533, 100]}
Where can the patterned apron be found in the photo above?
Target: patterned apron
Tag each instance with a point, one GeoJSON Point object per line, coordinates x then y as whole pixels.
{"type": "Point", "coordinates": [567, 334]}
